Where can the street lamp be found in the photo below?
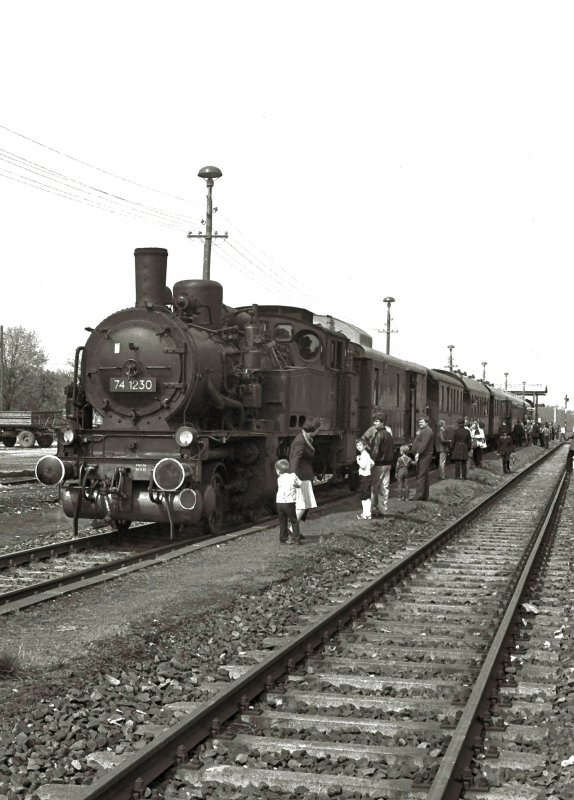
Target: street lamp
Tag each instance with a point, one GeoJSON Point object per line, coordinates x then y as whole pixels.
{"type": "Point", "coordinates": [450, 361]}
{"type": "Point", "coordinates": [484, 363]}
{"type": "Point", "coordinates": [505, 381]}
{"type": "Point", "coordinates": [210, 175]}
{"type": "Point", "coordinates": [389, 301]}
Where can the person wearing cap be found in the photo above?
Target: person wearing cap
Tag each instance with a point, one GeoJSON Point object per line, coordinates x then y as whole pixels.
{"type": "Point", "coordinates": [460, 447]}
{"type": "Point", "coordinates": [442, 446]}
{"type": "Point", "coordinates": [504, 448]}
{"type": "Point", "coordinates": [423, 451]}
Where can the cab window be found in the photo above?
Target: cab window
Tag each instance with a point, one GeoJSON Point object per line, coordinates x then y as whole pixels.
{"type": "Point", "coordinates": [283, 333]}
{"type": "Point", "coordinates": [309, 345]}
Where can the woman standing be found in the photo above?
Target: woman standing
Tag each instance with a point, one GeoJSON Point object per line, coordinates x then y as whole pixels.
{"type": "Point", "coordinates": [301, 457]}
{"type": "Point", "coordinates": [478, 443]}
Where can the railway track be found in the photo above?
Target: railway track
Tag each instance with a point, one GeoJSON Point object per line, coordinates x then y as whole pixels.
{"type": "Point", "coordinates": [38, 574]}
{"type": "Point", "coordinates": [33, 576]}
{"type": "Point", "coordinates": [384, 692]}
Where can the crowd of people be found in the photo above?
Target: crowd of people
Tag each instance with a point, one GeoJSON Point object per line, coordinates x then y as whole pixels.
{"type": "Point", "coordinates": [376, 455]}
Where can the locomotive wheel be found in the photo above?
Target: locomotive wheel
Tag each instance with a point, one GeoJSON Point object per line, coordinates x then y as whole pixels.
{"type": "Point", "coordinates": [26, 439]}
{"type": "Point", "coordinates": [121, 525]}
{"type": "Point", "coordinates": [252, 514]}
{"type": "Point", "coordinates": [8, 441]}
{"type": "Point", "coordinates": [214, 498]}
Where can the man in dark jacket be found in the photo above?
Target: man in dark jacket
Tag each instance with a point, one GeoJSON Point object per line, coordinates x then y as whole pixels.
{"type": "Point", "coordinates": [423, 449]}
{"type": "Point", "coordinates": [504, 447]}
{"type": "Point", "coordinates": [461, 444]}
{"type": "Point", "coordinates": [518, 434]}
{"type": "Point", "coordinates": [382, 453]}
{"type": "Point", "coordinates": [535, 433]}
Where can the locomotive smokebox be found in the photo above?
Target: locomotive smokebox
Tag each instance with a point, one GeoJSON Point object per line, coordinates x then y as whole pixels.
{"type": "Point", "coordinates": [151, 271]}
{"type": "Point", "coordinates": [201, 301]}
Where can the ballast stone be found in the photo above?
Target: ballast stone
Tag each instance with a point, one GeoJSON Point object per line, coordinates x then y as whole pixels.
{"type": "Point", "coordinates": [61, 791]}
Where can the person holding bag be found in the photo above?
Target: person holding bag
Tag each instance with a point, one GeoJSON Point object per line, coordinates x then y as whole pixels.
{"type": "Point", "coordinates": [478, 443]}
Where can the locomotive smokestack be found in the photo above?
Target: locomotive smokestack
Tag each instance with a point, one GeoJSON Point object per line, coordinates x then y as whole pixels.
{"type": "Point", "coordinates": [151, 271]}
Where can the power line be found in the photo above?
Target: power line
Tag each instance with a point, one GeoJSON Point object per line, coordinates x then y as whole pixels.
{"type": "Point", "coordinates": [58, 180]}
{"type": "Point", "coordinates": [86, 164]}
{"type": "Point", "coordinates": [37, 176]}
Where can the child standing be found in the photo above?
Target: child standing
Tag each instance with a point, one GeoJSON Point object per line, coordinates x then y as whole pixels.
{"type": "Point", "coordinates": [366, 464]}
{"type": "Point", "coordinates": [287, 483]}
{"type": "Point", "coordinates": [403, 463]}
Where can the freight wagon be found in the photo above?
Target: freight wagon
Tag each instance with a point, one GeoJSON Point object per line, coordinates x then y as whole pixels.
{"type": "Point", "coordinates": [28, 427]}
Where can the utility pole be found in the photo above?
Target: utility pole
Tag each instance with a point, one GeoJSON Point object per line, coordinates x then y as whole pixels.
{"type": "Point", "coordinates": [210, 175]}
{"type": "Point", "coordinates": [505, 381]}
{"type": "Point", "coordinates": [450, 364]}
{"type": "Point", "coordinates": [566, 398]}
{"type": "Point", "coordinates": [484, 363]}
{"type": "Point", "coordinates": [388, 331]}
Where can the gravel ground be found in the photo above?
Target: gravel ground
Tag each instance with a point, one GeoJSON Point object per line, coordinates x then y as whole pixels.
{"type": "Point", "coordinates": [87, 672]}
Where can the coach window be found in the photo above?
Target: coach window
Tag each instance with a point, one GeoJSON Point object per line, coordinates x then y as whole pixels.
{"type": "Point", "coordinates": [309, 345]}
{"type": "Point", "coordinates": [336, 354]}
{"type": "Point", "coordinates": [283, 333]}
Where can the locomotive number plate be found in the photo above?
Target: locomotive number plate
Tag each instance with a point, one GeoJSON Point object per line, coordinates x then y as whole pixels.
{"type": "Point", "coordinates": [133, 384]}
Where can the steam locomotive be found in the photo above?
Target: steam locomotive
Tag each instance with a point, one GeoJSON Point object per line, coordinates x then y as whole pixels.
{"type": "Point", "coordinates": [181, 405]}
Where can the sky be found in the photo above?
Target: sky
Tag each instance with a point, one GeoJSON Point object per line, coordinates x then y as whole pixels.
{"type": "Point", "coordinates": [414, 149]}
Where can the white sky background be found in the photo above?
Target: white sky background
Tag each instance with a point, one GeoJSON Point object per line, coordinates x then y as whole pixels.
{"type": "Point", "coordinates": [422, 150]}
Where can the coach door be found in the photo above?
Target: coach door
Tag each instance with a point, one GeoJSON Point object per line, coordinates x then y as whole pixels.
{"type": "Point", "coordinates": [412, 411]}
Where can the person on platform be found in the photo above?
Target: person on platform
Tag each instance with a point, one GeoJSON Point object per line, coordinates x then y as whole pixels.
{"type": "Point", "coordinates": [461, 445]}
{"type": "Point", "coordinates": [301, 457]}
{"type": "Point", "coordinates": [504, 447]}
{"type": "Point", "coordinates": [287, 485]}
{"type": "Point", "coordinates": [366, 465]}
{"type": "Point", "coordinates": [403, 463]}
{"type": "Point", "coordinates": [442, 447]}
{"type": "Point", "coordinates": [518, 434]}
{"type": "Point", "coordinates": [545, 434]}
{"type": "Point", "coordinates": [382, 453]}
{"type": "Point", "coordinates": [478, 443]}
{"type": "Point", "coordinates": [423, 450]}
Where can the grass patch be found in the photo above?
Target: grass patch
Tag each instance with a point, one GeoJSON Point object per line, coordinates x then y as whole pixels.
{"type": "Point", "coordinates": [10, 664]}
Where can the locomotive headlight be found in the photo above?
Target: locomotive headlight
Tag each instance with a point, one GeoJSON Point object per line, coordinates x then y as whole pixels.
{"type": "Point", "coordinates": [169, 474]}
{"type": "Point", "coordinates": [68, 435]}
{"type": "Point", "coordinates": [184, 436]}
{"type": "Point", "coordinates": [52, 471]}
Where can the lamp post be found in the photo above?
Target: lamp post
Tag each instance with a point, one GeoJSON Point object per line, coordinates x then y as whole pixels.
{"type": "Point", "coordinates": [505, 381]}
{"type": "Point", "coordinates": [389, 301]}
{"type": "Point", "coordinates": [484, 363]}
{"type": "Point", "coordinates": [450, 361]}
{"type": "Point", "coordinates": [210, 175]}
